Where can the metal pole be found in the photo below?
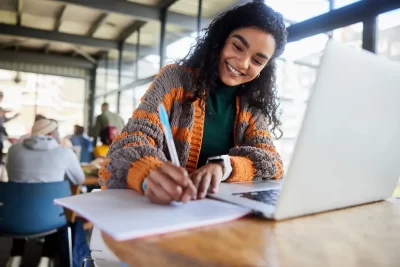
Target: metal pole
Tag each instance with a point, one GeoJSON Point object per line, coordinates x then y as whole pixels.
{"type": "Point", "coordinates": [35, 107]}
{"type": "Point", "coordinates": [369, 34]}
{"type": "Point", "coordinates": [106, 75]}
{"type": "Point", "coordinates": [121, 51]}
{"type": "Point", "coordinates": [91, 99]}
{"type": "Point", "coordinates": [137, 55]}
{"type": "Point", "coordinates": [199, 15]}
{"type": "Point", "coordinates": [136, 66]}
{"type": "Point", "coordinates": [162, 37]}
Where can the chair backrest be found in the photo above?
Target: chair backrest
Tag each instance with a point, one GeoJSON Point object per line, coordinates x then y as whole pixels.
{"type": "Point", "coordinates": [28, 209]}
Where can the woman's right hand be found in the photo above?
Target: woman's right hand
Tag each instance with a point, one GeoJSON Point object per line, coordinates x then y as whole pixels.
{"type": "Point", "coordinates": [169, 183]}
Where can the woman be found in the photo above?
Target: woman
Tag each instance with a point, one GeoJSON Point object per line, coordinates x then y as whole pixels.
{"type": "Point", "coordinates": [221, 100]}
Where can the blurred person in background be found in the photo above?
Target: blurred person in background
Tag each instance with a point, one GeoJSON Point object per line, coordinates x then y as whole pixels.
{"type": "Point", "coordinates": [106, 118]}
{"type": "Point", "coordinates": [106, 136]}
{"type": "Point", "coordinates": [3, 132]}
{"type": "Point", "coordinates": [41, 159]}
{"type": "Point", "coordinates": [82, 140]}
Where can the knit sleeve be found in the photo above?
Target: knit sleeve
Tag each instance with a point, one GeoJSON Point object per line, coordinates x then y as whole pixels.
{"type": "Point", "coordinates": [256, 158]}
{"type": "Point", "coordinates": [138, 149]}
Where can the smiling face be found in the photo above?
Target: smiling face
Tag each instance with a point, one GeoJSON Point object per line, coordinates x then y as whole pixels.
{"type": "Point", "coordinates": [246, 52]}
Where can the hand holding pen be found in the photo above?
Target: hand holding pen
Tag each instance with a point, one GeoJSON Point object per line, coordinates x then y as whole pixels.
{"type": "Point", "coordinates": [169, 182]}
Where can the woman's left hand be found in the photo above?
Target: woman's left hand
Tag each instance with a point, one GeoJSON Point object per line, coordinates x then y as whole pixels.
{"type": "Point", "coordinates": [207, 179]}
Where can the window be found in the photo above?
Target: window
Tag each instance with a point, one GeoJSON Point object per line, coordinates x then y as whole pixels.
{"type": "Point", "coordinates": [299, 10]}
{"type": "Point", "coordinates": [59, 98]}
{"type": "Point", "coordinates": [389, 35]}
{"type": "Point", "coordinates": [127, 105]}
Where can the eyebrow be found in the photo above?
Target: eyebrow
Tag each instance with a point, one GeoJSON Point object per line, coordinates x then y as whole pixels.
{"type": "Point", "coordinates": [246, 44]}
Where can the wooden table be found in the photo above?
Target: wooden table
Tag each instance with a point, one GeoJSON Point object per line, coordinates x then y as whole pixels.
{"type": "Point", "coordinates": [362, 236]}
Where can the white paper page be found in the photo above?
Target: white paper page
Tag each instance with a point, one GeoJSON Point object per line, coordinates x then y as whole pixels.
{"type": "Point", "coordinates": [125, 214]}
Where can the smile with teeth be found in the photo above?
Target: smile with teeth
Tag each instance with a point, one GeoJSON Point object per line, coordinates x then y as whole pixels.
{"type": "Point", "coordinates": [231, 68]}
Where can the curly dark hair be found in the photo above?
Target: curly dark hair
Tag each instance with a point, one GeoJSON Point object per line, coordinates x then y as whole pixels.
{"type": "Point", "coordinates": [204, 56]}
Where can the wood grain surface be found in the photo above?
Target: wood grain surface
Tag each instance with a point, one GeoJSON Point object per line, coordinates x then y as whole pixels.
{"type": "Point", "coordinates": [364, 236]}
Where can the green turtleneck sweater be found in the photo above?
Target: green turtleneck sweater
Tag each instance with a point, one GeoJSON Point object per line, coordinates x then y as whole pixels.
{"type": "Point", "coordinates": [218, 123]}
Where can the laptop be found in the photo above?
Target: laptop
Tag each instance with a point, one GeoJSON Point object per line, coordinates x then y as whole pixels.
{"type": "Point", "coordinates": [348, 149]}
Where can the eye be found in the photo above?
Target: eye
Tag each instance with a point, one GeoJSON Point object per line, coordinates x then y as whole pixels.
{"type": "Point", "coordinates": [257, 62]}
{"type": "Point", "coordinates": [237, 47]}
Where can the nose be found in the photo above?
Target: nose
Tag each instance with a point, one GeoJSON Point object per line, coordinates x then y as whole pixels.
{"type": "Point", "coordinates": [244, 63]}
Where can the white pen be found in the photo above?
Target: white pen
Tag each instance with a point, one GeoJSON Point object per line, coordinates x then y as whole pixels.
{"type": "Point", "coordinates": [168, 135]}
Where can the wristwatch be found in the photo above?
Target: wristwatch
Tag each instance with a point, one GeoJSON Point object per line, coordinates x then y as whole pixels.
{"type": "Point", "coordinates": [226, 164]}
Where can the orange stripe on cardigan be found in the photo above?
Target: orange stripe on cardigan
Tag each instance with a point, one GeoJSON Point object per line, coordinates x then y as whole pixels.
{"type": "Point", "coordinates": [142, 114]}
{"type": "Point", "coordinates": [236, 121]}
{"type": "Point", "coordinates": [242, 169]}
{"type": "Point", "coordinates": [137, 133]}
{"type": "Point", "coordinates": [104, 174]}
{"type": "Point", "coordinates": [180, 134]}
{"type": "Point", "coordinates": [266, 147]}
{"type": "Point", "coordinates": [279, 171]}
{"type": "Point", "coordinates": [133, 144]}
{"type": "Point", "coordinates": [263, 133]}
{"type": "Point", "coordinates": [140, 169]}
{"type": "Point", "coordinates": [196, 137]}
{"type": "Point", "coordinates": [171, 96]}
{"type": "Point", "coordinates": [245, 116]}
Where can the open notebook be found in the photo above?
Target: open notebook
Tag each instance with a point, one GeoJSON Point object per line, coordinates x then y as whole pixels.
{"type": "Point", "coordinates": [125, 214]}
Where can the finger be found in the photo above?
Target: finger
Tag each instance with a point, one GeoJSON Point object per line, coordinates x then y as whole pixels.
{"type": "Point", "coordinates": [189, 193]}
{"type": "Point", "coordinates": [205, 183]}
{"type": "Point", "coordinates": [173, 189]}
{"type": "Point", "coordinates": [178, 174]}
{"type": "Point", "coordinates": [215, 181]}
{"type": "Point", "coordinates": [158, 191]}
{"type": "Point", "coordinates": [153, 198]}
{"type": "Point", "coordinates": [196, 179]}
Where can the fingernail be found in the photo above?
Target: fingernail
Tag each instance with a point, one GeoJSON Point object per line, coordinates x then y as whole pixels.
{"type": "Point", "coordinates": [214, 190]}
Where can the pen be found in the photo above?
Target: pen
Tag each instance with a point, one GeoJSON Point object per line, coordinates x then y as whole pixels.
{"type": "Point", "coordinates": [168, 135]}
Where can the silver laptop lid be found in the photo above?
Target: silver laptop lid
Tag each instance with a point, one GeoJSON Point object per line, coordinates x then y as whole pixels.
{"type": "Point", "coordinates": [348, 150]}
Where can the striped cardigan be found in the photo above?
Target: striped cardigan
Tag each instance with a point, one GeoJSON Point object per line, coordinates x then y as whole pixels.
{"type": "Point", "coordinates": [141, 147]}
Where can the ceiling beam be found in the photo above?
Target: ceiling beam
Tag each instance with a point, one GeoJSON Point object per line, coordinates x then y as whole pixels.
{"type": "Point", "coordinates": [165, 3]}
{"type": "Point", "coordinates": [81, 52]}
{"type": "Point", "coordinates": [40, 58]}
{"type": "Point", "coordinates": [60, 18]}
{"type": "Point", "coordinates": [341, 17]}
{"type": "Point", "coordinates": [97, 24]}
{"type": "Point", "coordinates": [142, 12]}
{"type": "Point", "coordinates": [13, 43]}
{"type": "Point", "coordinates": [130, 29]}
{"type": "Point", "coordinates": [20, 31]}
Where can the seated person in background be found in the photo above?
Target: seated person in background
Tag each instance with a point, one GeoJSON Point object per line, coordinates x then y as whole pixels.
{"type": "Point", "coordinates": [82, 140]}
{"type": "Point", "coordinates": [41, 159]}
{"type": "Point", "coordinates": [107, 134]}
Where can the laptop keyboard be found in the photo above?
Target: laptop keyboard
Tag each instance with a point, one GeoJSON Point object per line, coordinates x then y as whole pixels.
{"type": "Point", "coordinates": [268, 196]}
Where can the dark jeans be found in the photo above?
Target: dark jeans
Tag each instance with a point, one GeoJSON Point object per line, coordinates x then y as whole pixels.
{"type": "Point", "coordinates": [50, 247]}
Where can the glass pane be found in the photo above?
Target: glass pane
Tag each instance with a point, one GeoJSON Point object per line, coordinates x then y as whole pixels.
{"type": "Point", "coordinates": [112, 102]}
{"type": "Point", "coordinates": [298, 10]}
{"type": "Point", "coordinates": [127, 106]}
{"type": "Point", "coordinates": [342, 3]}
{"type": "Point", "coordinates": [149, 60]}
{"type": "Point", "coordinates": [389, 35]}
{"type": "Point", "coordinates": [138, 92]}
{"type": "Point", "coordinates": [350, 36]}
{"type": "Point", "coordinates": [128, 68]}
{"type": "Point", "coordinates": [59, 98]}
